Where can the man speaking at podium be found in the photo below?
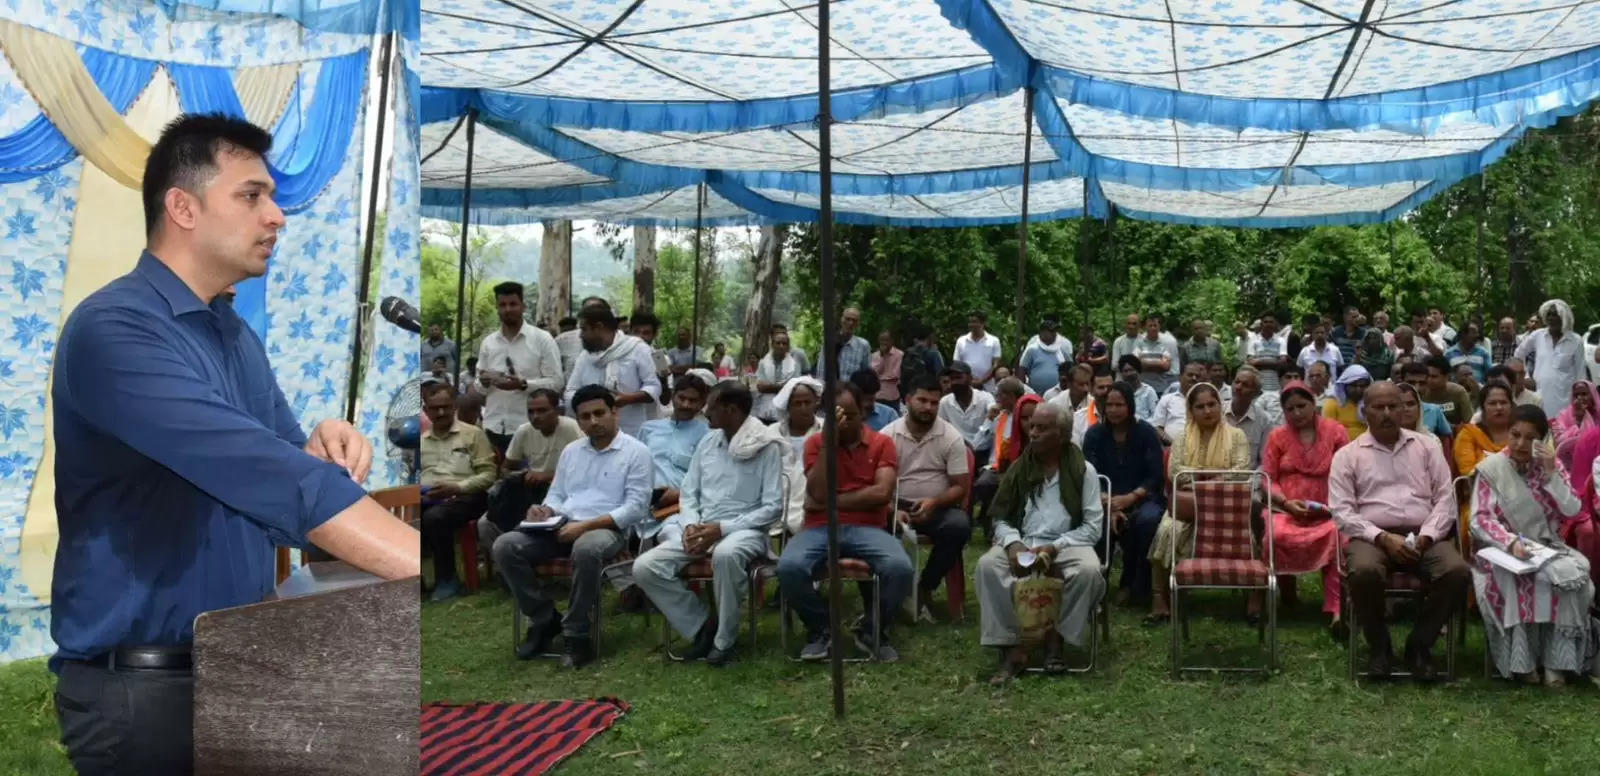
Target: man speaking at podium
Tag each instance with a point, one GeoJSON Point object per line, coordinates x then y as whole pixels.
{"type": "Point", "coordinates": [179, 464]}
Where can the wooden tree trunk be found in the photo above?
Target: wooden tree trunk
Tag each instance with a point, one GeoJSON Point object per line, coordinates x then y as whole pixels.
{"type": "Point", "coordinates": [769, 270]}
{"type": "Point", "coordinates": [644, 269]}
{"type": "Point", "coordinates": [555, 272]}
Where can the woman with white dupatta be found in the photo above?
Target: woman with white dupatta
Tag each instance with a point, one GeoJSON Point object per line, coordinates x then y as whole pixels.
{"type": "Point", "coordinates": [1538, 619]}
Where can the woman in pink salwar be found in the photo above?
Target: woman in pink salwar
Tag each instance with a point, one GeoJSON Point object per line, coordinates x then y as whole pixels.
{"type": "Point", "coordinates": [1540, 618]}
{"type": "Point", "coordinates": [1582, 533]}
{"type": "Point", "coordinates": [1297, 458]}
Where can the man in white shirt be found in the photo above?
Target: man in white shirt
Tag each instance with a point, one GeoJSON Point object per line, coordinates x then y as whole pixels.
{"type": "Point", "coordinates": [569, 342]}
{"type": "Point", "coordinates": [620, 362]}
{"type": "Point", "coordinates": [979, 349]}
{"type": "Point", "coordinates": [529, 466]}
{"type": "Point", "coordinates": [602, 488]}
{"type": "Point", "coordinates": [1123, 345]}
{"type": "Point", "coordinates": [1320, 349]}
{"type": "Point", "coordinates": [512, 361]}
{"type": "Point", "coordinates": [1268, 354]}
{"type": "Point", "coordinates": [1172, 409]}
{"type": "Point", "coordinates": [1557, 353]}
{"type": "Point", "coordinates": [967, 409]}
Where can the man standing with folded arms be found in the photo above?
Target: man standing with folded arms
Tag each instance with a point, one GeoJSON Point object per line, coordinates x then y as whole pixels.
{"type": "Point", "coordinates": [179, 464]}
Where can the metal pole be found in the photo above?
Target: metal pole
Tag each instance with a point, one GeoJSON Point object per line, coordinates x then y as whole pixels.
{"type": "Point", "coordinates": [830, 354]}
{"type": "Point", "coordinates": [1022, 226]}
{"type": "Point", "coordinates": [384, 58]}
{"type": "Point", "coordinates": [466, 212]}
{"type": "Point", "coordinates": [1478, 280]}
{"type": "Point", "coordinates": [699, 222]}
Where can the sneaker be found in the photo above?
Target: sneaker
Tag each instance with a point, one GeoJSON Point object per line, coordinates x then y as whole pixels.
{"type": "Point", "coordinates": [447, 590]}
{"type": "Point", "coordinates": [884, 654]}
{"type": "Point", "coordinates": [816, 648]}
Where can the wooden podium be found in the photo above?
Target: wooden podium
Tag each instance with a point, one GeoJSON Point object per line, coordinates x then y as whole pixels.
{"type": "Point", "coordinates": [323, 678]}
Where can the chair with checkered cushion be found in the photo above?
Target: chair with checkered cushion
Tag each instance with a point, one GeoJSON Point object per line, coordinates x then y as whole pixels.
{"type": "Point", "coordinates": [561, 568]}
{"type": "Point", "coordinates": [1227, 555]}
{"type": "Point", "coordinates": [1400, 585]}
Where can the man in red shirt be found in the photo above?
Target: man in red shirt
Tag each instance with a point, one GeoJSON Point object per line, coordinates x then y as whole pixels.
{"type": "Point", "coordinates": [867, 466]}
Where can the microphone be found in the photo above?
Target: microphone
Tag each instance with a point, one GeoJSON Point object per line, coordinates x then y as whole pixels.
{"type": "Point", "coordinates": [400, 313]}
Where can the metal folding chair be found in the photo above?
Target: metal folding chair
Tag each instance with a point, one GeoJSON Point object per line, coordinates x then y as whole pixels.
{"type": "Point", "coordinates": [955, 582]}
{"type": "Point", "coordinates": [1226, 555]}
{"type": "Point", "coordinates": [1405, 586]}
{"type": "Point", "coordinates": [1100, 627]}
{"type": "Point", "coordinates": [699, 573]}
{"type": "Point", "coordinates": [850, 570]}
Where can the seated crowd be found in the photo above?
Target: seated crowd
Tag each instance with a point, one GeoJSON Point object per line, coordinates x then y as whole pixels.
{"type": "Point", "coordinates": [656, 468]}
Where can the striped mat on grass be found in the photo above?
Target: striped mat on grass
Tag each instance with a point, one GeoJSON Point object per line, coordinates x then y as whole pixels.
{"type": "Point", "coordinates": [509, 739]}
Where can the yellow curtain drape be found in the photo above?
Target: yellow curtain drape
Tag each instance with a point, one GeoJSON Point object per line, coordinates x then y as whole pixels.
{"type": "Point", "coordinates": [53, 74]}
{"type": "Point", "coordinates": [264, 91]}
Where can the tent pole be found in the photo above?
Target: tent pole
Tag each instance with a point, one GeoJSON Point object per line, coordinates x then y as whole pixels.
{"type": "Point", "coordinates": [466, 212]}
{"type": "Point", "coordinates": [384, 62]}
{"type": "Point", "coordinates": [699, 235]}
{"type": "Point", "coordinates": [830, 354]}
{"type": "Point", "coordinates": [1478, 280]}
{"type": "Point", "coordinates": [1022, 225]}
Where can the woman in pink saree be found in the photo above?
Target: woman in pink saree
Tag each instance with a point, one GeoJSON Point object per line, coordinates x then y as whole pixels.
{"type": "Point", "coordinates": [1581, 415]}
{"type": "Point", "coordinates": [1297, 458]}
{"type": "Point", "coordinates": [1582, 533]}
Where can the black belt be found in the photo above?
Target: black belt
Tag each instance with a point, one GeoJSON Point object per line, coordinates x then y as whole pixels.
{"type": "Point", "coordinates": [145, 658]}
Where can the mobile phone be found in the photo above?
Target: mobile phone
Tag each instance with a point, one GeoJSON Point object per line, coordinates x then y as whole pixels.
{"type": "Point", "coordinates": [905, 505]}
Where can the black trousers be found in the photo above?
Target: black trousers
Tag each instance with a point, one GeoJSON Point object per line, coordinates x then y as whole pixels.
{"type": "Point", "coordinates": [439, 525]}
{"type": "Point", "coordinates": [499, 441]}
{"type": "Point", "coordinates": [126, 722]}
{"type": "Point", "coordinates": [950, 529]}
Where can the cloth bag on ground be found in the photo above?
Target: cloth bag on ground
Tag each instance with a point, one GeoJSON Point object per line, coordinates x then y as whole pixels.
{"type": "Point", "coordinates": [1038, 601]}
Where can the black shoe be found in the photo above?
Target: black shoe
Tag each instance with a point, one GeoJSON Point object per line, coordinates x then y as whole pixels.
{"type": "Point", "coordinates": [703, 641]}
{"type": "Point", "coordinates": [1421, 664]}
{"type": "Point", "coordinates": [884, 653]}
{"type": "Point", "coordinates": [721, 657]}
{"type": "Point", "coordinates": [1339, 632]}
{"type": "Point", "coordinates": [579, 653]}
{"type": "Point", "coordinates": [538, 640]}
{"type": "Point", "coordinates": [1380, 664]}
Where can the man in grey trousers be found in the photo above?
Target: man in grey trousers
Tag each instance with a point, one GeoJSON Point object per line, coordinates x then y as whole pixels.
{"type": "Point", "coordinates": [731, 495]}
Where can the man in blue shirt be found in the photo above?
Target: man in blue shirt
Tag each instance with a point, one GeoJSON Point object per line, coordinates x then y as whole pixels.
{"type": "Point", "coordinates": [672, 442]}
{"type": "Point", "coordinates": [602, 488]}
{"type": "Point", "coordinates": [1469, 350]}
{"type": "Point", "coordinates": [179, 464]}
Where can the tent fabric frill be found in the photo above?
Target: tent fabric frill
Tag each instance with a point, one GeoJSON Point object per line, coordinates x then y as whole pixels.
{"type": "Point", "coordinates": [1244, 112]}
{"type": "Point", "coordinates": [299, 68]}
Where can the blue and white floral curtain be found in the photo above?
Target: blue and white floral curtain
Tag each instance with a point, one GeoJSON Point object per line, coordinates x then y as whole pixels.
{"type": "Point", "coordinates": [306, 305]}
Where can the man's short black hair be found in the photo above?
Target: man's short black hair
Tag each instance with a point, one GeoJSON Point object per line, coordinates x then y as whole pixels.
{"type": "Point", "coordinates": [846, 386]}
{"type": "Point", "coordinates": [1414, 368]}
{"type": "Point", "coordinates": [691, 383]}
{"type": "Point", "coordinates": [1437, 362]}
{"type": "Point", "coordinates": [185, 157]}
{"type": "Point", "coordinates": [733, 394]}
{"type": "Point", "coordinates": [1500, 372]}
{"type": "Point", "coordinates": [594, 300]}
{"type": "Point", "coordinates": [982, 316]}
{"type": "Point", "coordinates": [645, 319]}
{"type": "Point", "coordinates": [1130, 360]}
{"type": "Point", "coordinates": [432, 387]}
{"type": "Point", "coordinates": [1102, 370]}
{"type": "Point", "coordinates": [593, 392]}
{"type": "Point", "coordinates": [867, 380]}
{"type": "Point", "coordinates": [1065, 368]}
{"type": "Point", "coordinates": [508, 288]}
{"type": "Point", "coordinates": [567, 322]}
{"type": "Point", "coordinates": [599, 316]}
{"type": "Point", "coordinates": [550, 395]}
{"type": "Point", "coordinates": [924, 383]}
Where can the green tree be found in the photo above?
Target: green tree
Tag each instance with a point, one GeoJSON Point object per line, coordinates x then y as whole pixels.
{"type": "Point", "coordinates": [441, 255]}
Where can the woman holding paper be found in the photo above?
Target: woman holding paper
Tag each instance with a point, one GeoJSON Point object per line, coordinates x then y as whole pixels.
{"type": "Point", "coordinates": [1539, 617]}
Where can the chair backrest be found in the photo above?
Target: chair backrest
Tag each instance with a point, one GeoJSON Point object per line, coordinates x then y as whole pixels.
{"type": "Point", "coordinates": [404, 502]}
{"type": "Point", "coordinates": [1222, 515]}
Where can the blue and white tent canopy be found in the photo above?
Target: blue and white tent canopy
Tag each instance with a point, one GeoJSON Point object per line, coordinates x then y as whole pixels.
{"type": "Point", "coordinates": [1257, 113]}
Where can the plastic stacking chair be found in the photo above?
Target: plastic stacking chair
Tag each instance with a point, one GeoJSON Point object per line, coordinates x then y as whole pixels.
{"type": "Point", "coordinates": [1100, 622]}
{"type": "Point", "coordinates": [1225, 556]}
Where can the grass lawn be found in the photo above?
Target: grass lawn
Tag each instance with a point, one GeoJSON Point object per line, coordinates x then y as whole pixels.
{"type": "Point", "coordinates": [29, 736]}
{"type": "Point", "coordinates": [934, 712]}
